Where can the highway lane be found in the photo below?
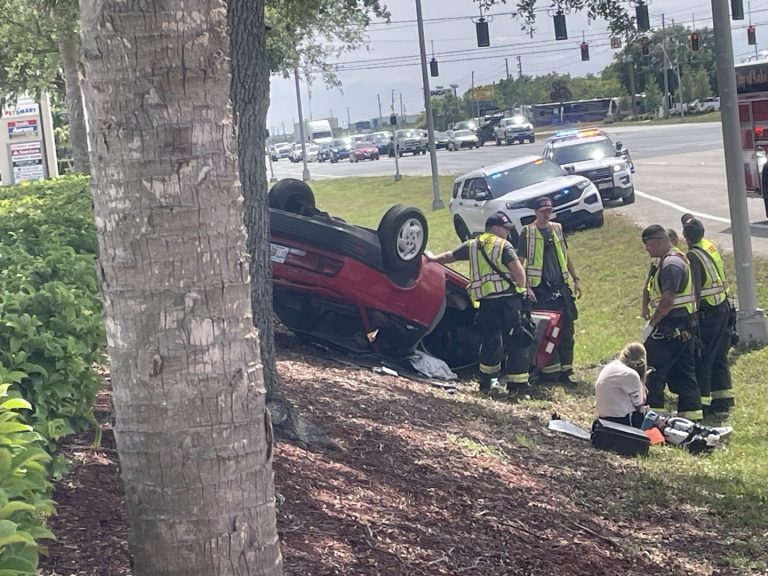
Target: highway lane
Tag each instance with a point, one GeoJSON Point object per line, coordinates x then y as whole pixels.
{"type": "Point", "coordinates": [680, 168]}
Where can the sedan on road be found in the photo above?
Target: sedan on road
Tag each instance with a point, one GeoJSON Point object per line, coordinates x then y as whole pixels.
{"type": "Point", "coordinates": [459, 139]}
{"type": "Point", "coordinates": [364, 151]}
{"type": "Point", "coordinates": [512, 187]}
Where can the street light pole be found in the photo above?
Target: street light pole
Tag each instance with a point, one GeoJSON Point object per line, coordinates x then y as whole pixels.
{"type": "Point", "coordinates": [305, 173]}
{"type": "Point", "coordinates": [437, 202]}
{"type": "Point", "coordinates": [752, 323]}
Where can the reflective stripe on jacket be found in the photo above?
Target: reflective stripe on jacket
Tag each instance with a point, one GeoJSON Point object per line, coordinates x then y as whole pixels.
{"type": "Point", "coordinates": [714, 291]}
{"type": "Point", "coordinates": [685, 299]}
{"type": "Point", "coordinates": [534, 261]}
{"type": "Point", "coordinates": [484, 280]}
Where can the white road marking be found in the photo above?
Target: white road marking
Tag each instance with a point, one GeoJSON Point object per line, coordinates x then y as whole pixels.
{"type": "Point", "coordinates": [685, 210]}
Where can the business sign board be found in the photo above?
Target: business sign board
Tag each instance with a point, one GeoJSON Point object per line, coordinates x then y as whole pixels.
{"type": "Point", "coordinates": [27, 161]}
{"type": "Point", "coordinates": [23, 107]}
{"type": "Point", "coordinates": [23, 128]}
{"type": "Point", "coordinates": [484, 93]}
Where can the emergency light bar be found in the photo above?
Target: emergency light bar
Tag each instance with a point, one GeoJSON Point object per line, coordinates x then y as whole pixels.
{"type": "Point", "coordinates": [574, 133]}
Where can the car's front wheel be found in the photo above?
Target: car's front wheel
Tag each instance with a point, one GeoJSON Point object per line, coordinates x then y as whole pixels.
{"type": "Point", "coordinates": [403, 234]}
{"type": "Point", "coordinates": [629, 198]}
{"type": "Point", "coordinates": [461, 229]}
{"type": "Point", "coordinates": [597, 220]}
{"type": "Point", "coordinates": [293, 196]}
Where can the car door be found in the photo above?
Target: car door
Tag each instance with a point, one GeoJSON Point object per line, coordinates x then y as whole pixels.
{"type": "Point", "coordinates": [548, 154]}
{"type": "Point", "coordinates": [474, 203]}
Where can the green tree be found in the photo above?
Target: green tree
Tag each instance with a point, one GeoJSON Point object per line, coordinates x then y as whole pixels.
{"type": "Point", "coordinates": [700, 85]}
{"type": "Point", "coordinates": [653, 98]}
{"type": "Point", "coordinates": [560, 91]}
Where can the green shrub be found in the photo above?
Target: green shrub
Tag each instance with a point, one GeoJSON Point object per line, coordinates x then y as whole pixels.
{"type": "Point", "coordinates": [24, 489]}
{"type": "Point", "coordinates": [51, 331]}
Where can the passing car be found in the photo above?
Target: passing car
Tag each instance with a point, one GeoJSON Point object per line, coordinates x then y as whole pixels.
{"type": "Point", "coordinates": [514, 129]}
{"type": "Point", "coordinates": [711, 104]}
{"type": "Point", "coordinates": [512, 187]}
{"type": "Point", "coordinates": [441, 140]}
{"type": "Point", "coordinates": [339, 149]}
{"type": "Point", "coordinates": [381, 139]}
{"type": "Point", "coordinates": [458, 139]}
{"type": "Point", "coordinates": [280, 150]}
{"type": "Point", "coordinates": [373, 291]}
{"type": "Point", "coordinates": [296, 154]}
{"type": "Point", "coordinates": [409, 141]}
{"type": "Point", "coordinates": [313, 152]}
{"type": "Point", "coordinates": [592, 154]}
{"type": "Point", "coordinates": [364, 151]}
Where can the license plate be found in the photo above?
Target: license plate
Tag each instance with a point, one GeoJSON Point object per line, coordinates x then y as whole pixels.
{"type": "Point", "coordinates": [278, 253]}
{"type": "Point", "coordinates": [604, 185]}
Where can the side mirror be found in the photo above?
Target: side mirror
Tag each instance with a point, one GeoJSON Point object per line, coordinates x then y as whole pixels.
{"type": "Point", "coordinates": [570, 169]}
{"type": "Point", "coordinates": [482, 196]}
{"type": "Point", "coordinates": [619, 146]}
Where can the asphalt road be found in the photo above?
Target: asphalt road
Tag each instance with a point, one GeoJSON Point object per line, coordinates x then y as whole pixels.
{"type": "Point", "coordinates": [680, 168]}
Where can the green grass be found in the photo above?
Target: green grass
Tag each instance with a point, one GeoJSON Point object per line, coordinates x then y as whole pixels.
{"type": "Point", "coordinates": [732, 484]}
{"type": "Point", "coordinates": [708, 117]}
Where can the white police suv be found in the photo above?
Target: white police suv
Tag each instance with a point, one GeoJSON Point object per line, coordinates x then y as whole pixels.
{"type": "Point", "coordinates": [590, 153]}
{"type": "Point", "coordinates": [512, 187]}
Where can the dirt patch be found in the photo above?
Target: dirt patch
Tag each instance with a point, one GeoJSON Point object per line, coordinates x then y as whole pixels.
{"type": "Point", "coordinates": [425, 482]}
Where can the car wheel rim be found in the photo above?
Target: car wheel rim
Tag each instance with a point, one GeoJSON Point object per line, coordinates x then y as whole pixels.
{"type": "Point", "coordinates": [410, 239]}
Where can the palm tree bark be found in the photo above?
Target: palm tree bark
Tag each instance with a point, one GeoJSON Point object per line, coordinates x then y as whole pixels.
{"type": "Point", "coordinates": [250, 99]}
{"type": "Point", "coordinates": [192, 431]}
{"type": "Point", "coordinates": [69, 51]}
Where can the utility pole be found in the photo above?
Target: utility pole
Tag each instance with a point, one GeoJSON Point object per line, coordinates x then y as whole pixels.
{"type": "Point", "coordinates": [752, 323]}
{"type": "Point", "coordinates": [519, 66]}
{"type": "Point", "coordinates": [506, 65]}
{"type": "Point", "coordinates": [282, 123]}
{"type": "Point", "coordinates": [395, 147]}
{"type": "Point", "coordinates": [402, 110]}
{"type": "Point", "coordinates": [437, 202]}
{"type": "Point", "coordinates": [629, 61]}
{"type": "Point", "coordinates": [305, 172]}
{"type": "Point", "coordinates": [381, 118]}
{"type": "Point", "coordinates": [349, 120]}
{"type": "Point", "coordinates": [666, 67]}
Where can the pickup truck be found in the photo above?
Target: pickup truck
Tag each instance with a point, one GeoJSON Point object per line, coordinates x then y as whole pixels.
{"type": "Point", "coordinates": [514, 129]}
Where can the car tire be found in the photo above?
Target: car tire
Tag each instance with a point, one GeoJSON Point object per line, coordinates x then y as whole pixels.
{"type": "Point", "coordinates": [461, 230]}
{"type": "Point", "coordinates": [629, 198]}
{"type": "Point", "coordinates": [403, 234]}
{"type": "Point", "coordinates": [597, 220]}
{"type": "Point", "coordinates": [376, 157]}
{"type": "Point", "coordinates": [532, 139]}
{"type": "Point", "coordinates": [292, 195]}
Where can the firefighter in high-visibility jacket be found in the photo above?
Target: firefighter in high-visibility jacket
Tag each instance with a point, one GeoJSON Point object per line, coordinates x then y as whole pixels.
{"type": "Point", "coordinates": [670, 341]}
{"type": "Point", "coordinates": [543, 249]}
{"type": "Point", "coordinates": [497, 282]}
{"type": "Point", "coordinates": [712, 370]}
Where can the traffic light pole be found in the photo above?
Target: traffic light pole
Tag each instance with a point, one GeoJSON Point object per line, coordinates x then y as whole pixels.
{"type": "Point", "coordinates": [437, 202]}
{"type": "Point", "coordinates": [752, 323]}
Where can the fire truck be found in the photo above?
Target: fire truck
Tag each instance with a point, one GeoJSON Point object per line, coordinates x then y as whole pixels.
{"type": "Point", "coordinates": [752, 90]}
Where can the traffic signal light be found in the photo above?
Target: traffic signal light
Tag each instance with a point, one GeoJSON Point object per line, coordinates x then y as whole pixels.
{"type": "Point", "coordinates": [433, 68]}
{"type": "Point", "coordinates": [695, 41]}
{"type": "Point", "coordinates": [641, 15]}
{"type": "Point", "coordinates": [737, 9]}
{"type": "Point", "coordinates": [584, 52]}
{"type": "Point", "coordinates": [483, 36]}
{"type": "Point", "coordinates": [561, 30]}
{"type": "Point", "coordinates": [645, 46]}
{"type": "Point", "coordinates": [751, 36]}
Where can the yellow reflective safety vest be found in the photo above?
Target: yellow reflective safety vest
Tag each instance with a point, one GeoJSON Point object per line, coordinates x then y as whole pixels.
{"type": "Point", "coordinates": [534, 262]}
{"type": "Point", "coordinates": [685, 299]}
{"type": "Point", "coordinates": [714, 291]}
{"type": "Point", "coordinates": [484, 280]}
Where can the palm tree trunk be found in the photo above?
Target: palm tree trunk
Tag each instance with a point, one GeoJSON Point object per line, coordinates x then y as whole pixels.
{"type": "Point", "coordinates": [193, 435]}
{"type": "Point", "coordinates": [69, 48]}
{"type": "Point", "coordinates": [250, 99]}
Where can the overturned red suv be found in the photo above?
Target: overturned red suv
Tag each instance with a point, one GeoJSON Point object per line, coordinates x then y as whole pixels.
{"type": "Point", "coordinates": [373, 290]}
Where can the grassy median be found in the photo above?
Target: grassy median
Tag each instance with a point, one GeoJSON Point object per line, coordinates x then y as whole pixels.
{"type": "Point", "coordinates": [729, 487]}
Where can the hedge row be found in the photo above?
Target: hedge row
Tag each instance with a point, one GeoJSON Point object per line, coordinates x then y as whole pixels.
{"type": "Point", "coordinates": [51, 336]}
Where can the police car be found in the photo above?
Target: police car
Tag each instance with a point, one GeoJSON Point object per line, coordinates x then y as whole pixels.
{"type": "Point", "coordinates": [590, 153]}
{"type": "Point", "coordinates": [512, 187]}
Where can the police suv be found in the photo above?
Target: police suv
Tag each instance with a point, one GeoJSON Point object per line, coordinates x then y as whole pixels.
{"type": "Point", "coordinates": [590, 153]}
{"type": "Point", "coordinates": [513, 187]}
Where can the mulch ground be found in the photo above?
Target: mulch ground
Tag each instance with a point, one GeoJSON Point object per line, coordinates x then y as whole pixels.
{"type": "Point", "coordinates": [424, 483]}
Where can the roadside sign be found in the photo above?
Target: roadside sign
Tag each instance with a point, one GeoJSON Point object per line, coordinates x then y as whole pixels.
{"type": "Point", "coordinates": [615, 42]}
{"type": "Point", "coordinates": [484, 93]}
{"type": "Point", "coordinates": [27, 161]}
{"type": "Point", "coordinates": [22, 128]}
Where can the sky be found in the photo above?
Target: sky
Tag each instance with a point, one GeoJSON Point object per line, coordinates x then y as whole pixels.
{"type": "Point", "coordinates": [388, 63]}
